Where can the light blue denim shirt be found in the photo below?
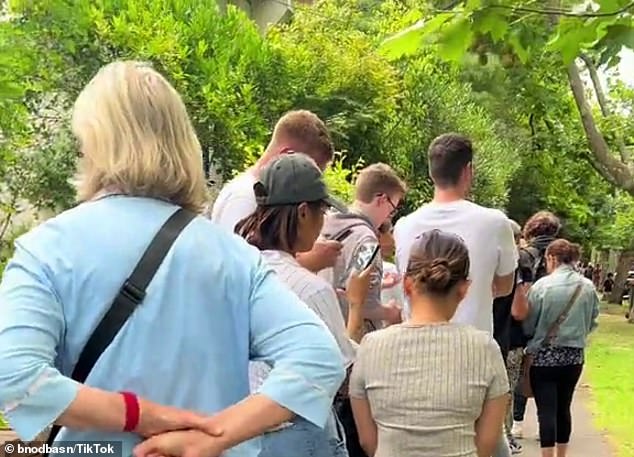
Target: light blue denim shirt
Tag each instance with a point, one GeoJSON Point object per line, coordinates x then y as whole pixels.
{"type": "Point", "coordinates": [211, 307]}
{"type": "Point", "coordinates": [549, 296]}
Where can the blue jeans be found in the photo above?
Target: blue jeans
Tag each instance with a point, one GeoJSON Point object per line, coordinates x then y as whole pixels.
{"type": "Point", "coordinates": [303, 439]}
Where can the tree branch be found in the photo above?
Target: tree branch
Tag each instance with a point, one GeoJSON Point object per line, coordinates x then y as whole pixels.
{"type": "Point", "coordinates": [603, 104]}
{"type": "Point", "coordinates": [612, 169]}
{"type": "Point", "coordinates": [546, 12]}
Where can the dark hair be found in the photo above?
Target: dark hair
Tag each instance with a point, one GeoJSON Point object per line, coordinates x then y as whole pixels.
{"type": "Point", "coordinates": [273, 227]}
{"type": "Point", "coordinates": [542, 223]}
{"type": "Point", "coordinates": [439, 260]}
{"type": "Point", "coordinates": [564, 251]}
{"type": "Point", "coordinates": [448, 156]}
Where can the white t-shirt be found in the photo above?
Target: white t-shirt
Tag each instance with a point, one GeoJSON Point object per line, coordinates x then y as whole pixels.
{"type": "Point", "coordinates": [319, 296]}
{"type": "Point", "coordinates": [492, 251]}
{"type": "Point", "coordinates": [235, 201]}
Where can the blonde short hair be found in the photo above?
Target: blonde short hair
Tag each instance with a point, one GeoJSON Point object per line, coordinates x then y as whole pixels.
{"type": "Point", "coordinates": [377, 179]}
{"type": "Point", "coordinates": [304, 131]}
{"type": "Point", "coordinates": [136, 138]}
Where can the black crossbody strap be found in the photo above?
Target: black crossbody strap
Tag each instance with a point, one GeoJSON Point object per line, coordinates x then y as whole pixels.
{"type": "Point", "coordinates": [130, 295]}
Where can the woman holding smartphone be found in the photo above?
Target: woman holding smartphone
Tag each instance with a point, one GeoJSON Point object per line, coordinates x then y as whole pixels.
{"type": "Point", "coordinates": [292, 199]}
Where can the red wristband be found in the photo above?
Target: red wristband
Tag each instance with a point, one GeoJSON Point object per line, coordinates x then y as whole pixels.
{"type": "Point", "coordinates": [132, 411]}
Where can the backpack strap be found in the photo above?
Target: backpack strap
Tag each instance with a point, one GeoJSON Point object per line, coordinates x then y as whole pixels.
{"type": "Point", "coordinates": [129, 297]}
{"type": "Point", "coordinates": [356, 224]}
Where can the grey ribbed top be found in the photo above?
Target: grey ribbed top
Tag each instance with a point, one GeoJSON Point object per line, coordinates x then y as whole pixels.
{"type": "Point", "coordinates": [426, 386]}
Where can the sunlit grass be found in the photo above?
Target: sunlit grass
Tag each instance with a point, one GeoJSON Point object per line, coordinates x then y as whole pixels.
{"type": "Point", "coordinates": [610, 370]}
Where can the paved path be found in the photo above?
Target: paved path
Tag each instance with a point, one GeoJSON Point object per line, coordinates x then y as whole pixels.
{"type": "Point", "coordinates": [586, 440]}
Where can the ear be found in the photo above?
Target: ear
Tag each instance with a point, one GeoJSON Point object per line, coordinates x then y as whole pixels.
{"type": "Point", "coordinates": [463, 288]}
{"type": "Point", "coordinates": [408, 285]}
{"type": "Point", "coordinates": [303, 211]}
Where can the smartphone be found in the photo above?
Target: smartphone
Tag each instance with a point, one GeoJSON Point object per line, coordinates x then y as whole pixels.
{"type": "Point", "coordinates": [343, 235]}
{"type": "Point", "coordinates": [367, 254]}
{"type": "Point", "coordinates": [372, 257]}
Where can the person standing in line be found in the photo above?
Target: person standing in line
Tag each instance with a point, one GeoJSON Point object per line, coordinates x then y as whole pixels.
{"type": "Point", "coordinates": [292, 199]}
{"type": "Point", "coordinates": [485, 231]}
{"type": "Point", "coordinates": [211, 306]}
{"type": "Point", "coordinates": [564, 307]}
{"type": "Point", "coordinates": [508, 312]}
{"type": "Point", "coordinates": [378, 193]}
{"type": "Point", "coordinates": [430, 387]}
{"type": "Point", "coordinates": [540, 230]}
{"type": "Point", "coordinates": [296, 131]}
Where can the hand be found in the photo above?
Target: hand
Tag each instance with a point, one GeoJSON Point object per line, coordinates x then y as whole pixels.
{"type": "Point", "coordinates": [358, 286]}
{"type": "Point", "coordinates": [156, 419]}
{"type": "Point", "coordinates": [390, 280]}
{"type": "Point", "coordinates": [189, 443]}
{"type": "Point", "coordinates": [324, 254]}
{"type": "Point", "coordinates": [392, 313]}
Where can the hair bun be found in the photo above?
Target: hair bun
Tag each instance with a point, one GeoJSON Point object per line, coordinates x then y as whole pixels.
{"type": "Point", "coordinates": [437, 275]}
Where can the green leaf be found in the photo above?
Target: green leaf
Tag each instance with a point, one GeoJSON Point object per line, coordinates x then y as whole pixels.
{"type": "Point", "coordinates": [520, 50]}
{"type": "Point", "coordinates": [493, 22]}
{"type": "Point", "coordinates": [572, 35]}
{"type": "Point", "coordinates": [409, 40]}
{"type": "Point", "coordinates": [457, 38]}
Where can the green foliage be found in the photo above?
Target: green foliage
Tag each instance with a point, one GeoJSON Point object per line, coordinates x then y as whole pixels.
{"type": "Point", "coordinates": [379, 107]}
{"type": "Point", "coordinates": [525, 28]}
{"type": "Point", "coordinates": [339, 179]}
{"type": "Point", "coordinates": [237, 83]}
{"type": "Point", "coordinates": [3, 423]}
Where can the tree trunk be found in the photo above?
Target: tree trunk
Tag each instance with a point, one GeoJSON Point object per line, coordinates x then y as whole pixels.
{"type": "Point", "coordinates": [603, 260]}
{"type": "Point", "coordinates": [607, 165]}
{"type": "Point", "coordinates": [604, 105]}
{"type": "Point", "coordinates": [625, 263]}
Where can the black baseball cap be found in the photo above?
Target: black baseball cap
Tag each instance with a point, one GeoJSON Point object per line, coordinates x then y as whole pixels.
{"type": "Point", "coordinates": [289, 180]}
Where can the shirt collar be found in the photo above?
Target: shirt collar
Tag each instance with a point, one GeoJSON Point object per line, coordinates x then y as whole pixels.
{"type": "Point", "coordinates": [280, 256]}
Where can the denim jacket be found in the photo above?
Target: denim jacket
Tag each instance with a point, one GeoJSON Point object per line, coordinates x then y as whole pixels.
{"type": "Point", "coordinates": [548, 297]}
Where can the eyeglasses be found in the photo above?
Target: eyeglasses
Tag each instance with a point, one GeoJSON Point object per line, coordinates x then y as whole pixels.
{"type": "Point", "coordinates": [394, 207]}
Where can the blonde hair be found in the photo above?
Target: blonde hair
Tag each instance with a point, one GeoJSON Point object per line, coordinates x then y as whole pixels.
{"type": "Point", "coordinates": [377, 179]}
{"type": "Point", "coordinates": [136, 138]}
{"type": "Point", "coordinates": [304, 131]}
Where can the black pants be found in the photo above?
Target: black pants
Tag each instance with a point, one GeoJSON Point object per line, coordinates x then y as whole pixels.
{"type": "Point", "coordinates": [553, 388]}
{"type": "Point", "coordinates": [344, 412]}
{"type": "Point", "coordinates": [519, 406]}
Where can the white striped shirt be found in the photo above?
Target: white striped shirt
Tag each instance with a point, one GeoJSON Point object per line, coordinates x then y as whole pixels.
{"type": "Point", "coordinates": [318, 295]}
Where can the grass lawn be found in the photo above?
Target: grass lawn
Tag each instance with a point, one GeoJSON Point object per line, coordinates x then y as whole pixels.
{"type": "Point", "coordinates": [610, 370]}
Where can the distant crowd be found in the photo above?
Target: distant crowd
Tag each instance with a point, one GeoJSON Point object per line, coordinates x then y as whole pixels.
{"type": "Point", "coordinates": [272, 322]}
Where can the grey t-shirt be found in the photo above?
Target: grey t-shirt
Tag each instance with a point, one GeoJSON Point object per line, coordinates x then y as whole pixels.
{"type": "Point", "coordinates": [357, 247]}
{"type": "Point", "coordinates": [426, 385]}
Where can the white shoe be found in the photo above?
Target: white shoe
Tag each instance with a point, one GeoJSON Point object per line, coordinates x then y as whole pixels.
{"type": "Point", "coordinates": [518, 430]}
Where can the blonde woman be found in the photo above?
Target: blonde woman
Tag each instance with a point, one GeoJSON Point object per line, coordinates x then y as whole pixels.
{"type": "Point", "coordinates": [211, 306]}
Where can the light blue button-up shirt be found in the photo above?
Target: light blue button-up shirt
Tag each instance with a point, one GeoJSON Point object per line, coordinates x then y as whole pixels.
{"type": "Point", "coordinates": [211, 307]}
